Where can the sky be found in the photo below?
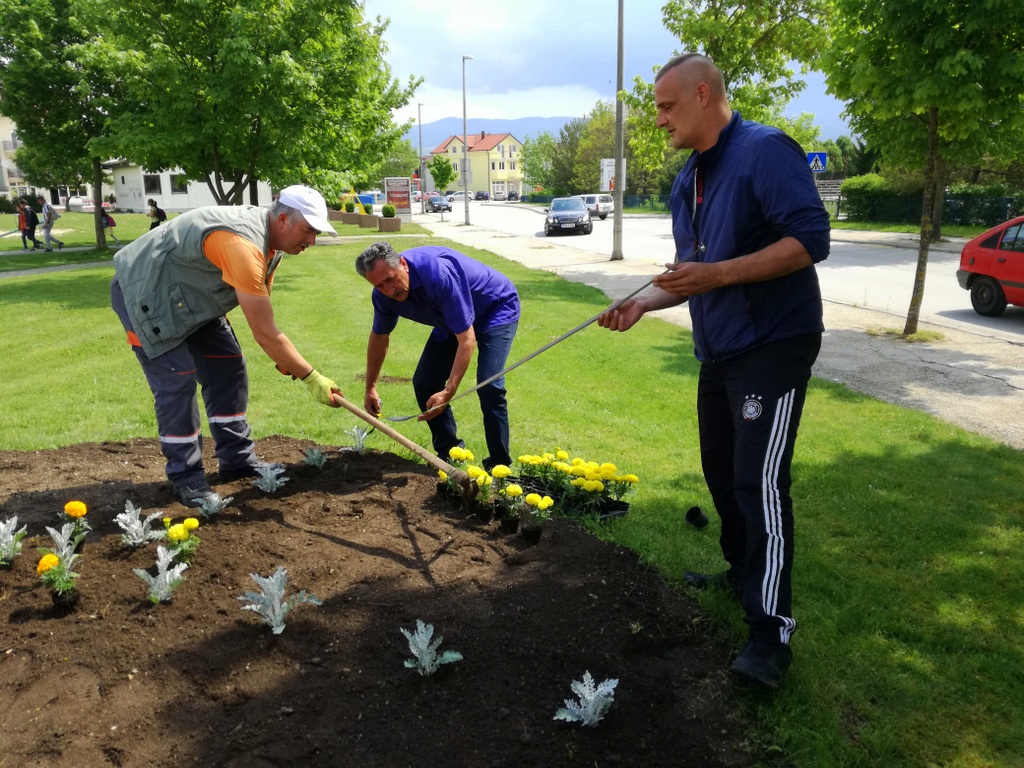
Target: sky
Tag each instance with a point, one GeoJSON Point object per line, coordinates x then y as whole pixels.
{"type": "Point", "coordinates": [537, 58]}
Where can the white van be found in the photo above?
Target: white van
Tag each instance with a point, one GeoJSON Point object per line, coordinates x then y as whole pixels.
{"type": "Point", "coordinates": [599, 205]}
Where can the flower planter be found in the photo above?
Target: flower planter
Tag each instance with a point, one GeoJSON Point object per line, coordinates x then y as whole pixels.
{"type": "Point", "coordinates": [484, 512]}
{"type": "Point", "coordinates": [612, 508]}
{"type": "Point", "coordinates": [65, 602]}
{"type": "Point", "coordinates": [531, 535]}
{"type": "Point", "coordinates": [333, 215]}
{"type": "Point", "coordinates": [452, 500]}
{"type": "Point", "coordinates": [394, 224]}
{"type": "Point", "coordinates": [350, 218]}
{"type": "Point", "coordinates": [368, 220]}
{"type": "Point", "coordinates": [510, 523]}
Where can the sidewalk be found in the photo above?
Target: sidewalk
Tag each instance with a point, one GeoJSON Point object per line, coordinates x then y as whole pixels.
{"type": "Point", "coordinates": [967, 380]}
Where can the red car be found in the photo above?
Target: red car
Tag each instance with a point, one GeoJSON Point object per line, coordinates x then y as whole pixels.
{"type": "Point", "coordinates": [992, 268]}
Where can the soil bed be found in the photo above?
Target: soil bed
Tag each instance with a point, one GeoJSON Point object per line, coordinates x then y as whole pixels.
{"type": "Point", "coordinates": [200, 682]}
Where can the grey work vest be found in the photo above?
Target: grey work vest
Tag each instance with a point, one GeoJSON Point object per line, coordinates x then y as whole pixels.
{"type": "Point", "coordinates": [170, 288]}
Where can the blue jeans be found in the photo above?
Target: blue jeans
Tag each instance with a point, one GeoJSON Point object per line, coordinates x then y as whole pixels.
{"type": "Point", "coordinates": [492, 348]}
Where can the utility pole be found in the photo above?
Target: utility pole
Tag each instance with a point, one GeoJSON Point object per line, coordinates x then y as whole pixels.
{"type": "Point", "coordinates": [423, 199]}
{"type": "Point", "coordinates": [465, 143]}
{"type": "Point", "coordinates": [619, 149]}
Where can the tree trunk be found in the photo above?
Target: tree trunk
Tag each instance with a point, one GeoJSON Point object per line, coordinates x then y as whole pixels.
{"type": "Point", "coordinates": [97, 200]}
{"type": "Point", "coordinates": [939, 199]}
{"type": "Point", "coordinates": [914, 313]}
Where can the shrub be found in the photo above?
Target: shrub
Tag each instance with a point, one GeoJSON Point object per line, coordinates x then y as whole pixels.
{"type": "Point", "coordinates": [387, 211]}
{"type": "Point", "coordinates": [367, 209]}
{"type": "Point", "coordinates": [350, 207]}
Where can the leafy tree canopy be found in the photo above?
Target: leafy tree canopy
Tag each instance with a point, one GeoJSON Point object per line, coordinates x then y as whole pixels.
{"type": "Point", "coordinates": [537, 160]}
{"type": "Point", "coordinates": [248, 89]}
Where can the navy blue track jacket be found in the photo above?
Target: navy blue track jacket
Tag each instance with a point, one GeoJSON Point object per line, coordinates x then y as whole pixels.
{"type": "Point", "coordinates": [758, 189]}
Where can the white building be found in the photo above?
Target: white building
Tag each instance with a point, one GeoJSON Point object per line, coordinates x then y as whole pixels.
{"type": "Point", "coordinates": [133, 186]}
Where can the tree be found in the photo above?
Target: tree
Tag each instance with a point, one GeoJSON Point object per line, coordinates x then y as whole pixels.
{"type": "Point", "coordinates": [596, 142]}
{"type": "Point", "coordinates": [442, 172]}
{"type": "Point", "coordinates": [753, 43]}
{"type": "Point", "coordinates": [537, 160]}
{"type": "Point", "coordinates": [58, 104]}
{"type": "Point", "coordinates": [648, 146]}
{"type": "Point", "coordinates": [236, 91]}
{"type": "Point", "coordinates": [563, 159]}
{"type": "Point", "coordinates": [403, 160]}
{"type": "Point", "coordinates": [933, 77]}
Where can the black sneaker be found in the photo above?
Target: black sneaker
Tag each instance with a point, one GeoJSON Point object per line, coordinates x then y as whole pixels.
{"type": "Point", "coordinates": [195, 493]}
{"type": "Point", "coordinates": [763, 663]}
{"type": "Point", "coordinates": [721, 581]}
{"type": "Point", "coordinates": [227, 474]}
{"type": "Point", "coordinates": [60, 246]}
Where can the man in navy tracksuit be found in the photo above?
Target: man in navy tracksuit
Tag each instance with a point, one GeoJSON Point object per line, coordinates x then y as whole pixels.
{"type": "Point", "coordinates": [749, 226]}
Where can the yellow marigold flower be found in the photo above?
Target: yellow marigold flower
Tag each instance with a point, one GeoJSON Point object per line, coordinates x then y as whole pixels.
{"type": "Point", "coordinates": [533, 499]}
{"type": "Point", "coordinates": [514, 491]}
{"type": "Point", "coordinates": [578, 470]}
{"type": "Point", "coordinates": [546, 502]}
{"type": "Point", "coordinates": [167, 522]}
{"type": "Point", "coordinates": [562, 467]}
{"type": "Point", "coordinates": [631, 479]}
{"type": "Point", "coordinates": [191, 523]}
{"type": "Point", "coordinates": [484, 480]}
{"type": "Point", "coordinates": [475, 472]}
{"type": "Point", "coordinates": [442, 474]}
{"type": "Point", "coordinates": [593, 486]}
{"type": "Point", "coordinates": [500, 471]}
{"type": "Point", "coordinates": [578, 482]}
{"type": "Point", "coordinates": [75, 509]}
{"type": "Point", "coordinates": [607, 474]}
{"type": "Point", "coordinates": [47, 562]}
{"type": "Point", "coordinates": [562, 455]}
{"type": "Point", "coordinates": [608, 467]}
{"type": "Point", "coordinates": [177, 533]}
{"type": "Point", "coordinates": [457, 454]}
{"type": "Point", "coordinates": [592, 475]}
{"type": "Point", "coordinates": [467, 454]}
{"type": "Point", "coordinates": [577, 461]}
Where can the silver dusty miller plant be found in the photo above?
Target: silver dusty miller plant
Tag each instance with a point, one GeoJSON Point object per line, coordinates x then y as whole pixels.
{"type": "Point", "coordinates": [271, 604]}
{"type": "Point", "coordinates": [167, 578]}
{"type": "Point", "coordinates": [359, 435]}
{"type": "Point", "coordinates": [214, 505]}
{"type": "Point", "coordinates": [64, 541]}
{"type": "Point", "coordinates": [316, 457]}
{"type": "Point", "coordinates": [425, 659]}
{"type": "Point", "coordinates": [593, 704]}
{"type": "Point", "coordinates": [10, 540]}
{"type": "Point", "coordinates": [270, 479]}
{"type": "Point", "coordinates": [137, 532]}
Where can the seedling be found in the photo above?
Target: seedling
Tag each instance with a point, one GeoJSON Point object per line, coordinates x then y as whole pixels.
{"type": "Point", "coordinates": [426, 661]}
{"type": "Point", "coordinates": [593, 704]}
{"type": "Point", "coordinates": [271, 604]}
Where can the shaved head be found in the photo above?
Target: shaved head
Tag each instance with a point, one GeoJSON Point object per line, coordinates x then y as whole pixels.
{"type": "Point", "coordinates": [694, 68]}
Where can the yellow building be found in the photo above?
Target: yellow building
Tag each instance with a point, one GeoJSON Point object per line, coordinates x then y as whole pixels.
{"type": "Point", "coordinates": [493, 161]}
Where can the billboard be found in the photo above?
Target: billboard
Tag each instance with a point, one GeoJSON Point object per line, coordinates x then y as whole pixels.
{"type": "Point", "coordinates": [398, 192]}
{"type": "Point", "coordinates": [608, 180]}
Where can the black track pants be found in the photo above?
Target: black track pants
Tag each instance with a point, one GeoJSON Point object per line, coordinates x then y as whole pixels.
{"type": "Point", "coordinates": [749, 408]}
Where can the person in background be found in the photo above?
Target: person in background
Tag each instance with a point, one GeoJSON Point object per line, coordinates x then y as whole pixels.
{"type": "Point", "coordinates": [749, 226]}
{"type": "Point", "coordinates": [49, 219]}
{"type": "Point", "coordinates": [108, 225]}
{"type": "Point", "coordinates": [28, 220]}
{"type": "Point", "coordinates": [156, 213]}
{"type": "Point", "coordinates": [172, 290]}
{"type": "Point", "coordinates": [471, 307]}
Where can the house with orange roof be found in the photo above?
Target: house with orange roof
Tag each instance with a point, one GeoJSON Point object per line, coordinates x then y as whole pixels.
{"type": "Point", "coordinates": [492, 162]}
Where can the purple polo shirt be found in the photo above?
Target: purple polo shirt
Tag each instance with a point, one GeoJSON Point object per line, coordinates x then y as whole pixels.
{"type": "Point", "coordinates": [449, 292]}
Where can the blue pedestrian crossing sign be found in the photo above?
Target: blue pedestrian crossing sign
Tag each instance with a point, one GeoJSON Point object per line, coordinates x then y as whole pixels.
{"type": "Point", "coordinates": [817, 161]}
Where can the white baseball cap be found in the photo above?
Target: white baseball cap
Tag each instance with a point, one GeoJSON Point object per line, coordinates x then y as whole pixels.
{"type": "Point", "coordinates": [310, 204]}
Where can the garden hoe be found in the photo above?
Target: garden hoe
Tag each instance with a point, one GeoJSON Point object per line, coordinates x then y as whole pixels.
{"type": "Point", "coordinates": [468, 484]}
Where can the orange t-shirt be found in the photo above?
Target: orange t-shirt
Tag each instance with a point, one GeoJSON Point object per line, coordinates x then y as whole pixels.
{"type": "Point", "coordinates": [241, 262]}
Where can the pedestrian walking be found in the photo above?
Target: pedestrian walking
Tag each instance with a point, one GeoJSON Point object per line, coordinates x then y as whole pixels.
{"type": "Point", "coordinates": [50, 217]}
{"type": "Point", "coordinates": [28, 220]}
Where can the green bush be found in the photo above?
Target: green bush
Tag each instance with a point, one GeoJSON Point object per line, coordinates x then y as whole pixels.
{"type": "Point", "coordinates": [7, 206]}
{"type": "Point", "coordinates": [350, 207]}
{"type": "Point", "coordinates": [865, 197]}
{"type": "Point", "coordinates": [387, 211]}
{"type": "Point", "coordinates": [367, 209]}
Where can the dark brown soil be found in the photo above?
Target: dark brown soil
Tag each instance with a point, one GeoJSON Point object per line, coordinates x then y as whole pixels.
{"type": "Point", "coordinates": [200, 682]}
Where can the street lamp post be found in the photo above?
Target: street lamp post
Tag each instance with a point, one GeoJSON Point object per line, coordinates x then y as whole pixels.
{"type": "Point", "coordinates": [465, 143]}
{"type": "Point", "coordinates": [419, 119]}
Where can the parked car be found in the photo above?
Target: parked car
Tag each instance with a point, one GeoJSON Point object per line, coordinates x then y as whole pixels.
{"type": "Point", "coordinates": [457, 196]}
{"type": "Point", "coordinates": [500, 196]}
{"type": "Point", "coordinates": [482, 195]}
{"type": "Point", "coordinates": [992, 268]}
{"type": "Point", "coordinates": [438, 203]}
{"type": "Point", "coordinates": [567, 214]}
{"type": "Point", "coordinates": [599, 205]}
{"type": "Point", "coordinates": [513, 196]}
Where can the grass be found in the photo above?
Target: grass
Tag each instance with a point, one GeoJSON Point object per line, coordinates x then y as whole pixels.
{"type": "Point", "coordinates": [908, 574]}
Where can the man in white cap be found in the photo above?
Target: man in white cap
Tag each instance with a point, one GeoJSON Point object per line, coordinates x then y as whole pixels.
{"type": "Point", "coordinates": [172, 290]}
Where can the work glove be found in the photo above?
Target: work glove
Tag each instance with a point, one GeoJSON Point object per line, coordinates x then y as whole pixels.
{"type": "Point", "coordinates": [320, 387]}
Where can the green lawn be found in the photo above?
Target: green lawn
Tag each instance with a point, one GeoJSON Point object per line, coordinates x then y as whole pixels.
{"type": "Point", "coordinates": [908, 577]}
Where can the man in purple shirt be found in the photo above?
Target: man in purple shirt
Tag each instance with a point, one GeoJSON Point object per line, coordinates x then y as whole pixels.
{"type": "Point", "coordinates": [470, 306]}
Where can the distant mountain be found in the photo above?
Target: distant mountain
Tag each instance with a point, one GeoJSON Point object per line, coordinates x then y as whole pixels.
{"type": "Point", "coordinates": [522, 128]}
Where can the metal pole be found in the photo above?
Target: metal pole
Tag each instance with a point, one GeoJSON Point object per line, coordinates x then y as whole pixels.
{"type": "Point", "coordinates": [465, 143]}
{"type": "Point", "coordinates": [423, 201]}
{"type": "Point", "coordinates": [619, 150]}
